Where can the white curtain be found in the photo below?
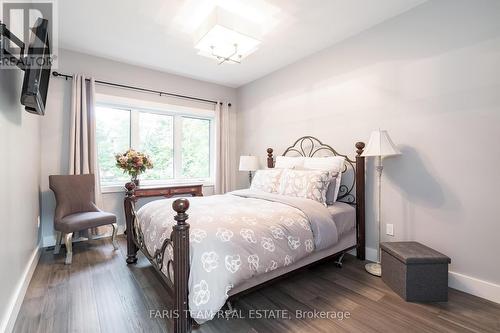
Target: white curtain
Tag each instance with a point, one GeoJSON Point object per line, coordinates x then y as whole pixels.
{"type": "Point", "coordinates": [83, 149]}
{"type": "Point", "coordinates": [223, 176]}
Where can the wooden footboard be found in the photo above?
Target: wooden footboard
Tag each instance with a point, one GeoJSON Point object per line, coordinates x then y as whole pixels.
{"type": "Point", "coordinates": [179, 241]}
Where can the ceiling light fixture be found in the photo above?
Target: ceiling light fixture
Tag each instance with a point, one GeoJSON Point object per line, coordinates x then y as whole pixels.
{"type": "Point", "coordinates": [225, 38]}
{"type": "Point", "coordinates": [234, 57]}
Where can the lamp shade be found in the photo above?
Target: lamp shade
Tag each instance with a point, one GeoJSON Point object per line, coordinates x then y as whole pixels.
{"type": "Point", "coordinates": [380, 144]}
{"type": "Point", "coordinates": [249, 163]}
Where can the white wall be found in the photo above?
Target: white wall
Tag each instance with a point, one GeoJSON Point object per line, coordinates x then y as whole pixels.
{"type": "Point", "coordinates": [19, 198]}
{"type": "Point", "coordinates": [55, 124]}
{"type": "Point", "coordinates": [431, 77]}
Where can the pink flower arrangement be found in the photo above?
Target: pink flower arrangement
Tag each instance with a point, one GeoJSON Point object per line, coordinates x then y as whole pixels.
{"type": "Point", "coordinates": [133, 162]}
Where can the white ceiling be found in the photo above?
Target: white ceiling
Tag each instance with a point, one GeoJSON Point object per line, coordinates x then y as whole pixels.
{"type": "Point", "coordinates": [159, 34]}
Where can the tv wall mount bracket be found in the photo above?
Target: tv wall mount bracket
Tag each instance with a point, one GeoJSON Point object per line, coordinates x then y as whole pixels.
{"type": "Point", "coordinates": [5, 56]}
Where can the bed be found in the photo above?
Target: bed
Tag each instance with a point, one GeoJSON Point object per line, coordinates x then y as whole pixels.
{"type": "Point", "coordinates": [236, 242]}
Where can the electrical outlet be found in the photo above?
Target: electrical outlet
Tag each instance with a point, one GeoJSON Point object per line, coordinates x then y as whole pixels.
{"type": "Point", "coordinates": [389, 229]}
{"type": "Point", "coordinates": [38, 221]}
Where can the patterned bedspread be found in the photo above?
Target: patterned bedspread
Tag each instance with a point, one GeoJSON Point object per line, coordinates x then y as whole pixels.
{"type": "Point", "coordinates": [237, 236]}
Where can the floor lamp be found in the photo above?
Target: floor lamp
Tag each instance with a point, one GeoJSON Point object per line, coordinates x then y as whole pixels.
{"type": "Point", "coordinates": [380, 145]}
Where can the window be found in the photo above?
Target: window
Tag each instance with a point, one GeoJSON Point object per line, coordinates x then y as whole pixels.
{"type": "Point", "coordinates": [156, 138]}
{"type": "Point", "coordinates": [179, 144]}
{"type": "Point", "coordinates": [195, 151]}
{"type": "Point", "coordinates": [112, 137]}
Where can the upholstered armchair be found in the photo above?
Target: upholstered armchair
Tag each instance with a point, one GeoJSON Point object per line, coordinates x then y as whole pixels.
{"type": "Point", "coordinates": [76, 210]}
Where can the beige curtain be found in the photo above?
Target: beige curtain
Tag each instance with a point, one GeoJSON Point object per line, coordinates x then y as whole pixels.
{"type": "Point", "coordinates": [223, 176]}
{"type": "Point", "coordinates": [83, 149]}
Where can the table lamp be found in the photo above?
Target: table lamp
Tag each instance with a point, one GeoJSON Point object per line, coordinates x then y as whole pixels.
{"type": "Point", "coordinates": [249, 163]}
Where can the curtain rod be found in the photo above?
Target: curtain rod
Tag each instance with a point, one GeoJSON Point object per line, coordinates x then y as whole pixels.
{"type": "Point", "coordinates": [161, 93]}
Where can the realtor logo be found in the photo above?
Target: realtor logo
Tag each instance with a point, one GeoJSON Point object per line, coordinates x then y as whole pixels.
{"type": "Point", "coordinates": [20, 18]}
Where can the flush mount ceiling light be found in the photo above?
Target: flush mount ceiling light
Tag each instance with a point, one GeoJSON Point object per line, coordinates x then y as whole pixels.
{"type": "Point", "coordinates": [226, 38]}
{"type": "Point", "coordinates": [226, 45]}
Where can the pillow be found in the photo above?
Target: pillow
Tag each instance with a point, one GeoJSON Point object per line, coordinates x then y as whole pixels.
{"type": "Point", "coordinates": [333, 188]}
{"type": "Point", "coordinates": [266, 180]}
{"type": "Point", "coordinates": [334, 164]}
{"type": "Point", "coordinates": [310, 184]}
{"type": "Point", "coordinates": [287, 162]}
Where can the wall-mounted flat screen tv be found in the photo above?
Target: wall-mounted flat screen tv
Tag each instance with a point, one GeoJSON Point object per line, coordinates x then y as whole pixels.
{"type": "Point", "coordinates": [37, 65]}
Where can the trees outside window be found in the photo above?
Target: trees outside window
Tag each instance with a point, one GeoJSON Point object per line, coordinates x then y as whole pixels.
{"type": "Point", "coordinates": [180, 145]}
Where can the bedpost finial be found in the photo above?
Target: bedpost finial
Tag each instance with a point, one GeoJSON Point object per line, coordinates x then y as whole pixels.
{"type": "Point", "coordinates": [270, 158]}
{"type": "Point", "coordinates": [130, 186]}
{"type": "Point", "coordinates": [180, 205]}
{"type": "Point", "coordinates": [130, 191]}
{"type": "Point", "coordinates": [360, 146]}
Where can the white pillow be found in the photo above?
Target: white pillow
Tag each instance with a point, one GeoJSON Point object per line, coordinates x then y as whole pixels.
{"type": "Point", "coordinates": [332, 164]}
{"type": "Point", "coordinates": [267, 180]}
{"type": "Point", "coordinates": [287, 162]}
{"type": "Point", "coordinates": [310, 184]}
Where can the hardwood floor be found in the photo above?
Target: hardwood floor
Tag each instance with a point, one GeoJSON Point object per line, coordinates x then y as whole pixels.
{"type": "Point", "coordinates": [100, 293]}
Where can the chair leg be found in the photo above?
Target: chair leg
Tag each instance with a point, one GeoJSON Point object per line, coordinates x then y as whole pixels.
{"type": "Point", "coordinates": [57, 248]}
{"type": "Point", "coordinates": [68, 239]}
{"type": "Point", "coordinates": [113, 237]}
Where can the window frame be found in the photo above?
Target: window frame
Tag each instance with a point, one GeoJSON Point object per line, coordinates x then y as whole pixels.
{"type": "Point", "coordinates": [177, 112]}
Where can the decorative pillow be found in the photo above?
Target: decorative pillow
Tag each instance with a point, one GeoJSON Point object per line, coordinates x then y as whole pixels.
{"type": "Point", "coordinates": [287, 162]}
{"type": "Point", "coordinates": [334, 164]}
{"type": "Point", "coordinates": [310, 184]}
{"type": "Point", "coordinates": [266, 180]}
{"type": "Point", "coordinates": [333, 188]}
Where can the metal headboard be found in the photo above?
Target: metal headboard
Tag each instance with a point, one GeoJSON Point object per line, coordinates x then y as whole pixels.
{"type": "Point", "coordinates": [309, 146]}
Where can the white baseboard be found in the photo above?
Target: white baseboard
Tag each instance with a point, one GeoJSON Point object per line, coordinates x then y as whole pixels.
{"type": "Point", "coordinates": [477, 287]}
{"type": "Point", "coordinates": [16, 300]}
{"type": "Point", "coordinates": [51, 240]}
